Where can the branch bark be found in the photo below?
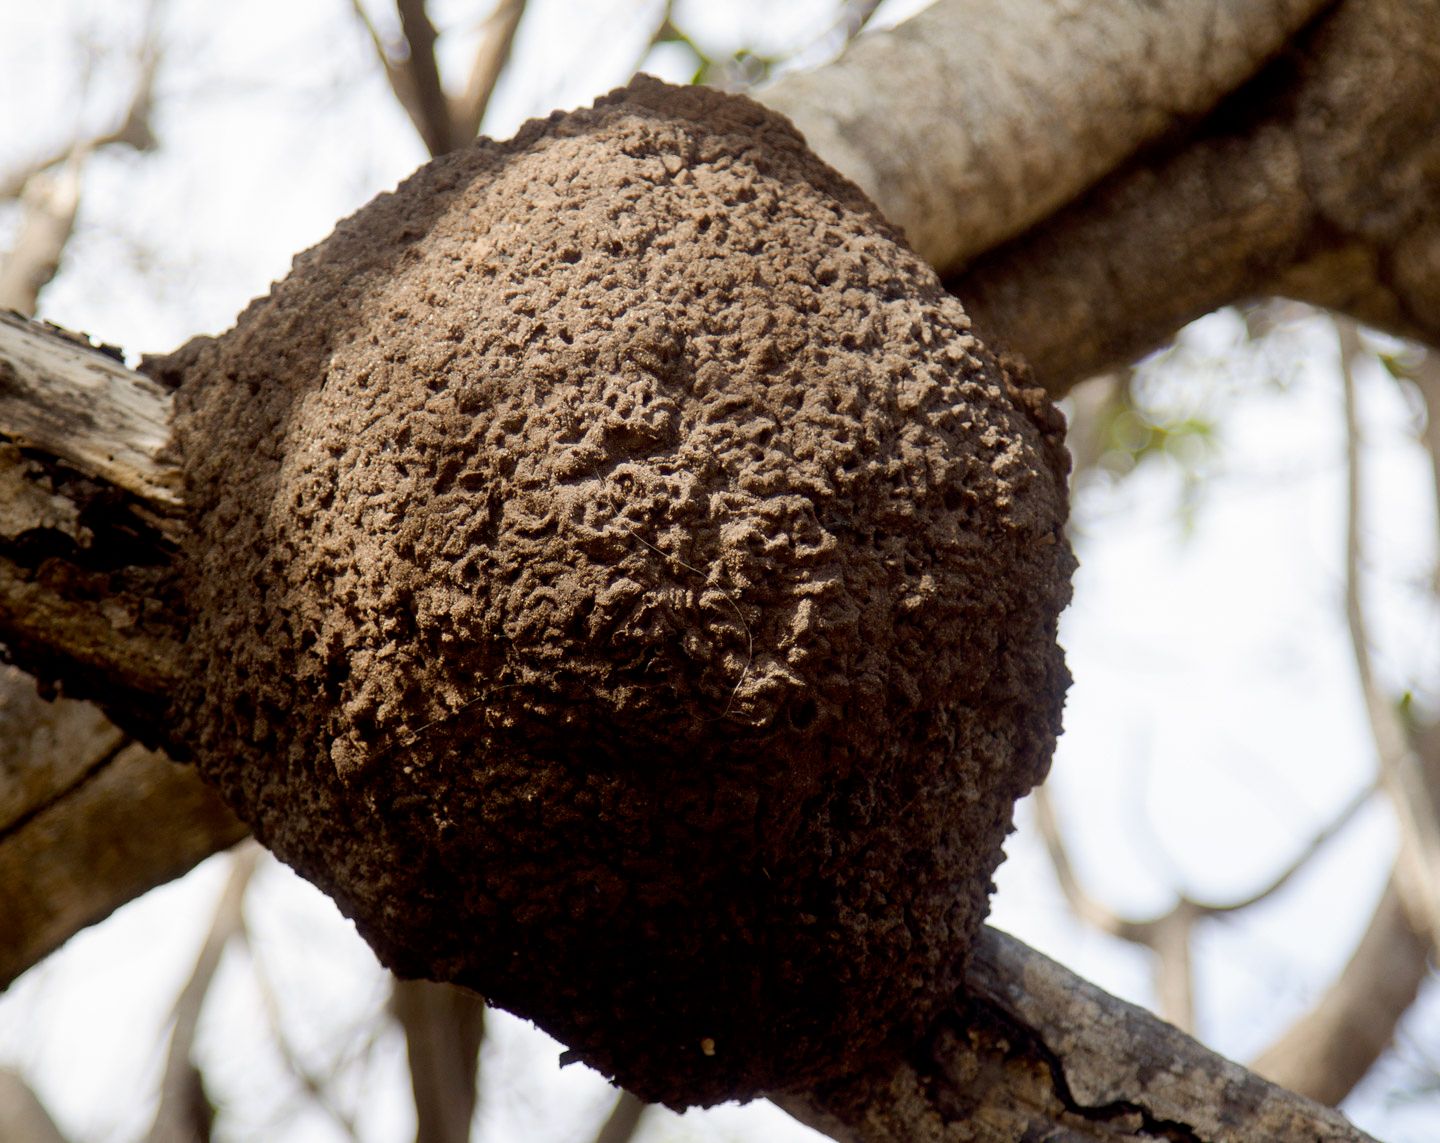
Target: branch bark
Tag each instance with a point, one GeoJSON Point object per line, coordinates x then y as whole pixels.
{"type": "Point", "coordinates": [89, 818]}
{"type": "Point", "coordinates": [1034, 1052]}
{"type": "Point", "coordinates": [1310, 182]}
{"type": "Point", "coordinates": [1286, 149]}
{"type": "Point", "coordinates": [991, 116]}
{"type": "Point", "coordinates": [93, 519]}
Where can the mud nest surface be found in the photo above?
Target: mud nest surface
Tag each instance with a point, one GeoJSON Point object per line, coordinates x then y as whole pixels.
{"type": "Point", "coordinates": [623, 582]}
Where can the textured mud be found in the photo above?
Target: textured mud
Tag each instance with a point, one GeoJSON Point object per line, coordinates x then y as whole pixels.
{"type": "Point", "coordinates": [626, 586]}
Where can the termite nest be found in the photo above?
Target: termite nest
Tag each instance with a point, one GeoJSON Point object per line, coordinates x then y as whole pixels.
{"type": "Point", "coordinates": [622, 581]}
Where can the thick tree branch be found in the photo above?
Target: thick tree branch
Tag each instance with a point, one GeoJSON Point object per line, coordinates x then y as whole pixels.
{"type": "Point", "coordinates": [1319, 180]}
{"type": "Point", "coordinates": [990, 116]}
{"type": "Point", "coordinates": [92, 523]}
{"type": "Point", "coordinates": [88, 821]}
{"type": "Point", "coordinates": [1034, 1052]}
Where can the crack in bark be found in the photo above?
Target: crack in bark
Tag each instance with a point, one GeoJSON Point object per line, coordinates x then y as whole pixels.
{"type": "Point", "coordinates": [1015, 1039]}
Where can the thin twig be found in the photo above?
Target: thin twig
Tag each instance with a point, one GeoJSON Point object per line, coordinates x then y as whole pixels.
{"type": "Point", "coordinates": [395, 73]}
{"type": "Point", "coordinates": [854, 15]}
{"type": "Point", "coordinates": [133, 128]}
{"type": "Point", "coordinates": [313, 1086]}
{"type": "Point", "coordinates": [1401, 775]}
{"type": "Point", "coordinates": [1168, 935]}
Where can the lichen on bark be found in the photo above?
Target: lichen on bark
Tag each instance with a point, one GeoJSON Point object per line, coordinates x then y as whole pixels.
{"type": "Point", "coordinates": [624, 583]}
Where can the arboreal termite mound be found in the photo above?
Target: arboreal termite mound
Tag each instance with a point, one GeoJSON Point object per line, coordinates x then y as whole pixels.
{"type": "Point", "coordinates": [623, 582]}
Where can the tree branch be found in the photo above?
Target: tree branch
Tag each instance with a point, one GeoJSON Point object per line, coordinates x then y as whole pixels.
{"type": "Point", "coordinates": [496, 40]}
{"type": "Point", "coordinates": [623, 1120]}
{"type": "Point", "coordinates": [49, 206]}
{"type": "Point", "coordinates": [444, 1026]}
{"type": "Point", "coordinates": [994, 115]}
{"type": "Point", "coordinates": [1034, 1052]}
{"type": "Point", "coordinates": [184, 1112]}
{"type": "Point", "coordinates": [1332, 1047]}
{"type": "Point", "coordinates": [93, 521]}
{"type": "Point", "coordinates": [1310, 183]}
{"type": "Point", "coordinates": [430, 109]}
{"type": "Point", "coordinates": [1417, 868]}
{"type": "Point", "coordinates": [22, 1116]}
{"type": "Point", "coordinates": [1168, 935]}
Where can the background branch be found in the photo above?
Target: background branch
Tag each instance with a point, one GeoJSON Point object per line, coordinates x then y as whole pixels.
{"type": "Point", "coordinates": [184, 1113]}
{"type": "Point", "coordinates": [496, 39]}
{"type": "Point", "coordinates": [443, 1026]}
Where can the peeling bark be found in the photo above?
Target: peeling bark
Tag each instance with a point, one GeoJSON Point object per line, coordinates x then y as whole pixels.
{"type": "Point", "coordinates": [89, 818]}
{"type": "Point", "coordinates": [88, 821]}
{"type": "Point", "coordinates": [92, 523]}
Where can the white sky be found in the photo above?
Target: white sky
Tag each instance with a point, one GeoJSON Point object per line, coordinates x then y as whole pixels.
{"type": "Point", "coordinates": [1213, 727]}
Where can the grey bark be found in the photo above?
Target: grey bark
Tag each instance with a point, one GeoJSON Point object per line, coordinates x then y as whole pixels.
{"type": "Point", "coordinates": [975, 120]}
{"type": "Point", "coordinates": [1034, 1052]}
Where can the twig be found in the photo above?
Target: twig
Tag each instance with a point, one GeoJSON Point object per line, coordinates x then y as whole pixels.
{"type": "Point", "coordinates": [430, 111]}
{"type": "Point", "coordinates": [1401, 776]}
{"type": "Point", "coordinates": [313, 1086]}
{"type": "Point", "coordinates": [1168, 935]}
{"type": "Point", "coordinates": [854, 15]}
{"type": "Point", "coordinates": [132, 130]}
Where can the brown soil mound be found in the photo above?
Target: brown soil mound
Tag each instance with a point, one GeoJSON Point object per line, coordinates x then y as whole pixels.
{"type": "Point", "coordinates": [625, 585]}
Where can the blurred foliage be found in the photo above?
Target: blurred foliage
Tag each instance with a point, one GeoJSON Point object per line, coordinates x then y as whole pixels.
{"type": "Point", "coordinates": [1134, 430]}
{"type": "Point", "coordinates": [738, 71]}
